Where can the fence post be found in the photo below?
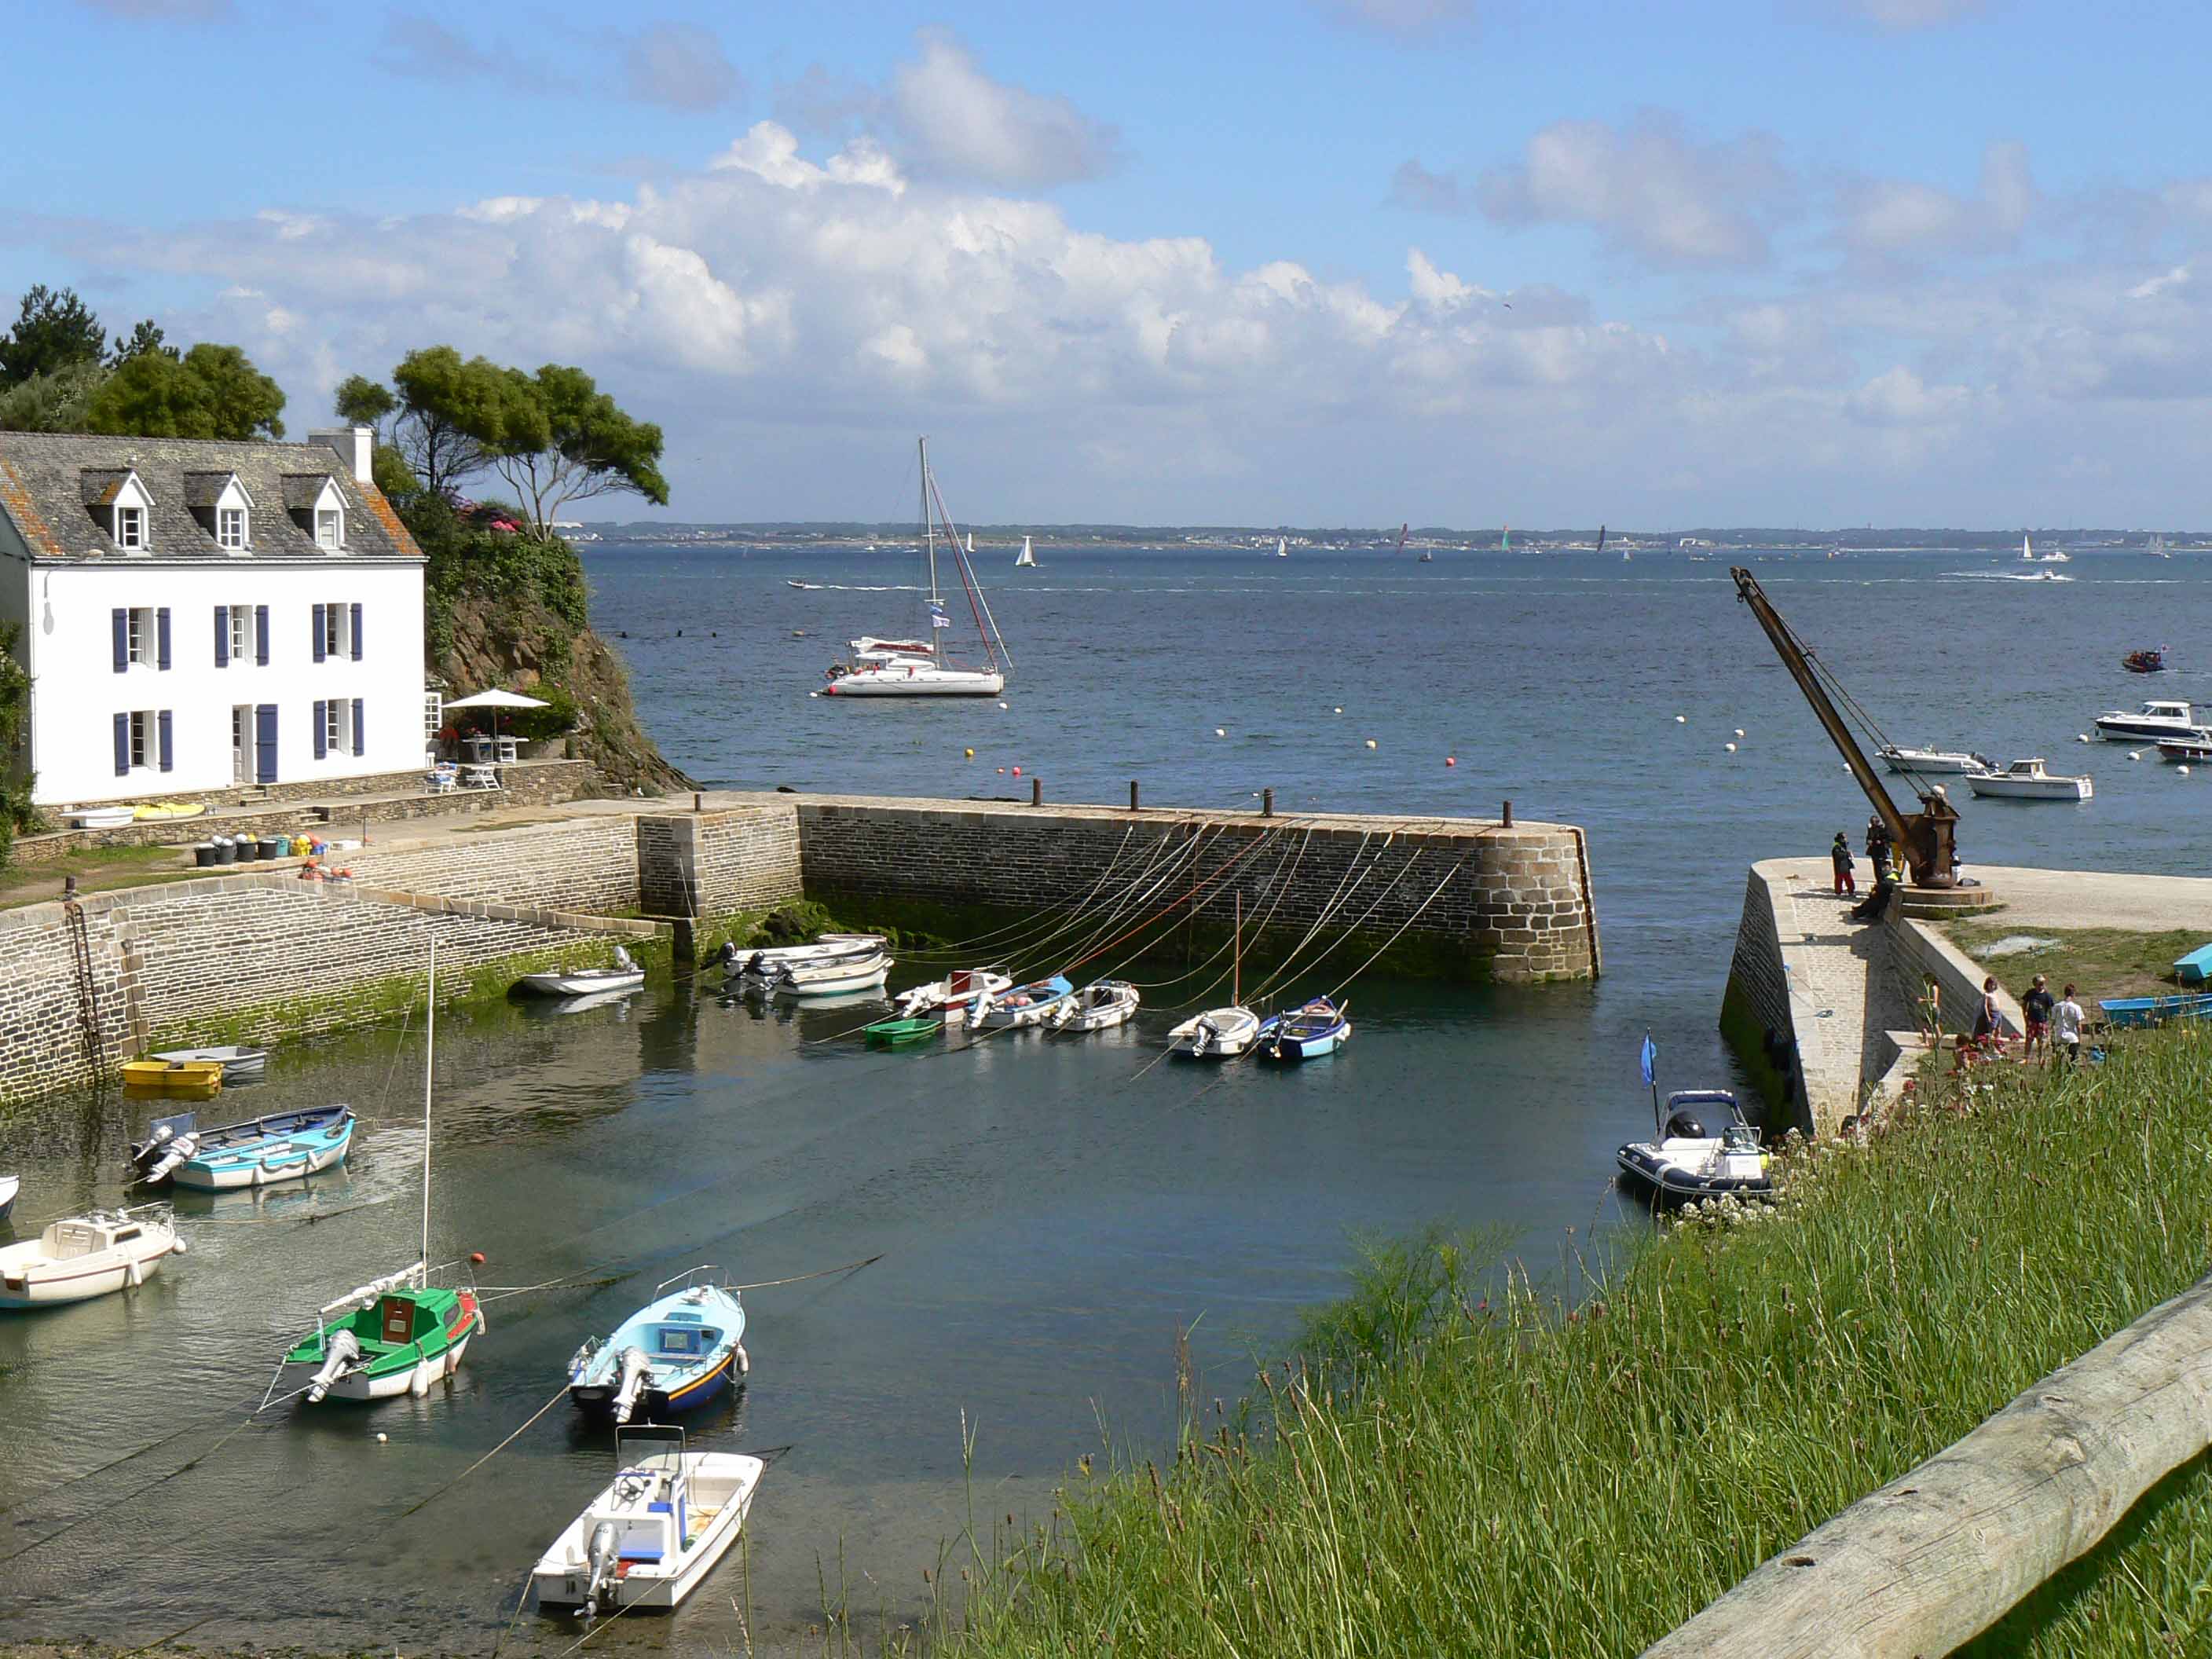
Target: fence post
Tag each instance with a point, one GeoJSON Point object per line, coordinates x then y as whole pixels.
{"type": "Point", "coordinates": [1133, 796]}
{"type": "Point", "coordinates": [1037, 792]}
{"type": "Point", "coordinates": [1507, 821]}
{"type": "Point", "coordinates": [1266, 802]}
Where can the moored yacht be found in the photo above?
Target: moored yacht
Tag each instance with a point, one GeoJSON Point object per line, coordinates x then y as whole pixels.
{"type": "Point", "coordinates": [2027, 780]}
{"type": "Point", "coordinates": [1939, 762]}
{"type": "Point", "coordinates": [2156, 722]}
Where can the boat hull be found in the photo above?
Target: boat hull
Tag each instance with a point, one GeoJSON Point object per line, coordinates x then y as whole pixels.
{"type": "Point", "coordinates": [28, 1279]}
{"type": "Point", "coordinates": [240, 1065]}
{"type": "Point", "coordinates": [188, 1080]}
{"type": "Point", "coordinates": [562, 1577]}
{"type": "Point", "coordinates": [1927, 762]}
{"type": "Point", "coordinates": [1672, 1184]}
{"type": "Point", "coordinates": [1217, 1034]}
{"type": "Point", "coordinates": [1280, 1042]}
{"type": "Point", "coordinates": [2121, 729]}
{"type": "Point", "coordinates": [267, 1169]}
{"type": "Point", "coordinates": [917, 682]}
{"type": "Point", "coordinates": [10, 1186]}
{"type": "Point", "coordinates": [580, 985]}
{"type": "Point", "coordinates": [360, 1388]}
{"type": "Point", "coordinates": [718, 1380]}
{"type": "Point", "coordinates": [834, 982]}
{"type": "Point", "coordinates": [2005, 788]}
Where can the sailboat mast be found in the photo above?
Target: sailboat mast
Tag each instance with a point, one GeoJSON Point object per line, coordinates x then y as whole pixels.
{"type": "Point", "coordinates": [1237, 957]}
{"type": "Point", "coordinates": [929, 537]}
{"type": "Point", "coordinates": [429, 1060]}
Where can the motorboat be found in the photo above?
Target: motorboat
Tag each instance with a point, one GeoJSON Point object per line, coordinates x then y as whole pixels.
{"type": "Point", "coordinates": [179, 1079]}
{"type": "Point", "coordinates": [803, 587]}
{"type": "Point", "coordinates": [397, 1334]}
{"type": "Point", "coordinates": [903, 1032]}
{"type": "Point", "coordinates": [2149, 661]}
{"type": "Point", "coordinates": [1704, 1150]}
{"type": "Point", "coordinates": [1098, 1007]}
{"type": "Point", "coordinates": [1026, 1005]}
{"type": "Point", "coordinates": [87, 1255]}
{"type": "Point", "coordinates": [2028, 554]}
{"type": "Point", "coordinates": [834, 978]}
{"type": "Point", "coordinates": [239, 1063]}
{"type": "Point", "coordinates": [1307, 1033]}
{"type": "Point", "coordinates": [10, 1186]}
{"type": "Point", "coordinates": [2027, 780]}
{"type": "Point", "coordinates": [957, 995]}
{"type": "Point", "coordinates": [918, 668]}
{"type": "Point", "coordinates": [260, 1152]}
{"type": "Point", "coordinates": [767, 963]}
{"type": "Point", "coordinates": [680, 1349]}
{"type": "Point", "coordinates": [2194, 752]}
{"type": "Point", "coordinates": [1934, 762]}
{"type": "Point", "coordinates": [2155, 721]}
{"type": "Point", "coordinates": [1217, 1033]}
{"type": "Point", "coordinates": [624, 975]}
{"type": "Point", "coordinates": [652, 1536]}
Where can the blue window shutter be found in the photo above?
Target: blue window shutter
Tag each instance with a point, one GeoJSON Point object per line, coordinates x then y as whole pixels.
{"type": "Point", "coordinates": [223, 636]}
{"type": "Point", "coordinates": [122, 745]}
{"type": "Point", "coordinates": [261, 637]}
{"type": "Point", "coordinates": [264, 743]}
{"type": "Point", "coordinates": [322, 737]}
{"type": "Point", "coordinates": [168, 755]}
{"type": "Point", "coordinates": [162, 637]}
{"type": "Point", "coordinates": [318, 632]}
{"type": "Point", "coordinates": [356, 639]}
{"type": "Point", "coordinates": [122, 619]}
{"type": "Point", "coordinates": [358, 746]}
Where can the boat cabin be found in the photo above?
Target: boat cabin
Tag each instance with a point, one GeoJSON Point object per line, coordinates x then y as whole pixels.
{"type": "Point", "coordinates": [684, 1337]}
{"type": "Point", "coordinates": [649, 1503]}
{"type": "Point", "coordinates": [90, 1235]}
{"type": "Point", "coordinates": [2168, 711]}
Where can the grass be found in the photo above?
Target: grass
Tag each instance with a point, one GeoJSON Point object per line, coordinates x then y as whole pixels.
{"type": "Point", "coordinates": [2105, 962]}
{"type": "Point", "coordinates": [97, 870]}
{"type": "Point", "coordinates": [1459, 1464]}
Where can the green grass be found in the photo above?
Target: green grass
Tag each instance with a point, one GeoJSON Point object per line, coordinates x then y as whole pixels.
{"type": "Point", "coordinates": [2105, 962]}
{"type": "Point", "coordinates": [1459, 1464]}
{"type": "Point", "coordinates": [97, 869]}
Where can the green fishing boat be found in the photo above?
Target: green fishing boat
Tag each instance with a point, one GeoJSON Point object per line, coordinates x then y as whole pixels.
{"type": "Point", "coordinates": [900, 1033]}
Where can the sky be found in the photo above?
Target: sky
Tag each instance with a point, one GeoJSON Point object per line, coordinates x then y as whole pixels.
{"type": "Point", "coordinates": [1314, 262]}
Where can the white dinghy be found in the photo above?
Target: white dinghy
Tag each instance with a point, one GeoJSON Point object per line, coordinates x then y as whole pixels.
{"type": "Point", "coordinates": [1217, 1033]}
{"type": "Point", "coordinates": [1097, 1007]}
{"type": "Point", "coordinates": [652, 1536]}
{"type": "Point", "coordinates": [830, 979]}
{"type": "Point", "coordinates": [769, 963]}
{"type": "Point", "coordinates": [959, 996]}
{"type": "Point", "coordinates": [239, 1063]}
{"type": "Point", "coordinates": [624, 975]}
{"type": "Point", "coordinates": [88, 1255]}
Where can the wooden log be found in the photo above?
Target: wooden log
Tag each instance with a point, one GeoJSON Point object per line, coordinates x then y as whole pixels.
{"type": "Point", "coordinates": [1942, 1554]}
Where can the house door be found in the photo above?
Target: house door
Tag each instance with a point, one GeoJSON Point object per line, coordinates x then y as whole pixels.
{"type": "Point", "coordinates": [241, 743]}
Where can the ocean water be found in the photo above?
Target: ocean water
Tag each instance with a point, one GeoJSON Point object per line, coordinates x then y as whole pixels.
{"type": "Point", "coordinates": [1050, 1215]}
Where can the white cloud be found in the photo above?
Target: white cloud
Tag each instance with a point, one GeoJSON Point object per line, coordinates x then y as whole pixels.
{"type": "Point", "coordinates": [1900, 398]}
{"type": "Point", "coordinates": [956, 122]}
{"type": "Point", "coordinates": [1414, 187]}
{"type": "Point", "coordinates": [1902, 217]}
{"type": "Point", "coordinates": [2158, 285]}
{"type": "Point", "coordinates": [681, 65]}
{"type": "Point", "coordinates": [1648, 188]}
{"type": "Point", "coordinates": [1406, 19]}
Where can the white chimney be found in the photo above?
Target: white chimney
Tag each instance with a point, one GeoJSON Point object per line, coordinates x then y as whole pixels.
{"type": "Point", "coordinates": [355, 445]}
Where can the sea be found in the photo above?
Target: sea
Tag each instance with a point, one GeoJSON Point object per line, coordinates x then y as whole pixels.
{"type": "Point", "coordinates": [1047, 1223]}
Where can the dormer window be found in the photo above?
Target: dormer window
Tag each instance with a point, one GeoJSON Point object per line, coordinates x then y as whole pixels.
{"type": "Point", "coordinates": [131, 529]}
{"type": "Point", "coordinates": [330, 528]}
{"type": "Point", "coordinates": [230, 529]}
{"type": "Point", "coordinates": [218, 502]}
{"type": "Point", "coordinates": [122, 506]}
{"type": "Point", "coordinates": [318, 506]}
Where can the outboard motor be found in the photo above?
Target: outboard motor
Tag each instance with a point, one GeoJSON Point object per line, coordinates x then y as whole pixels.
{"type": "Point", "coordinates": [175, 1152]}
{"type": "Point", "coordinates": [342, 1355]}
{"type": "Point", "coordinates": [635, 1373]}
{"type": "Point", "coordinates": [606, 1543]}
{"type": "Point", "coordinates": [754, 964]}
{"type": "Point", "coordinates": [1682, 1125]}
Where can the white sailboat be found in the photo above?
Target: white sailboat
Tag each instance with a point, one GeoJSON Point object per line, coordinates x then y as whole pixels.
{"type": "Point", "coordinates": [908, 668]}
{"type": "Point", "coordinates": [1026, 559]}
{"type": "Point", "coordinates": [1282, 548]}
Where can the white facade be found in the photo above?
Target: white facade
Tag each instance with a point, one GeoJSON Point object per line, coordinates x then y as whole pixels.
{"type": "Point", "coordinates": [76, 691]}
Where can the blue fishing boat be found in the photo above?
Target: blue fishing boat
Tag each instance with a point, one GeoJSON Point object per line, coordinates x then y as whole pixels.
{"type": "Point", "coordinates": [258, 1152]}
{"type": "Point", "coordinates": [2155, 1010]}
{"type": "Point", "coordinates": [1026, 1005]}
{"type": "Point", "coordinates": [2195, 968]}
{"type": "Point", "coordinates": [679, 1350]}
{"type": "Point", "coordinates": [1319, 1028]}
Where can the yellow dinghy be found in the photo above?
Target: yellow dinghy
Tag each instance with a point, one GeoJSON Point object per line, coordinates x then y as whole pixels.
{"type": "Point", "coordinates": [154, 811]}
{"type": "Point", "coordinates": [183, 1079]}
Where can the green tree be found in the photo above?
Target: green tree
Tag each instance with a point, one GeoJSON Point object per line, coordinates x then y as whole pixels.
{"type": "Point", "coordinates": [146, 337]}
{"type": "Point", "coordinates": [53, 332]}
{"type": "Point", "coordinates": [566, 440]}
{"type": "Point", "coordinates": [452, 412]}
{"type": "Point", "coordinates": [361, 402]}
{"type": "Point", "coordinates": [55, 402]}
{"type": "Point", "coordinates": [211, 391]}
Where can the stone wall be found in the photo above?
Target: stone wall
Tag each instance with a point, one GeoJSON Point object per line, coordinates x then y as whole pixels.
{"type": "Point", "coordinates": [1760, 1016]}
{"type": "Point", "coordinates": [249, 955]}
{"type": "Point", "coordinates": [718, 862]}
{"type": "Point", "coordinates": [1456, 896]}
{"type": "Point", "coordinates": [585, 864]}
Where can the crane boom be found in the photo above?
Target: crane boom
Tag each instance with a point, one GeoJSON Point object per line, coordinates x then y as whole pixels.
{"type": "Point", "coordinates": [1926, 837]}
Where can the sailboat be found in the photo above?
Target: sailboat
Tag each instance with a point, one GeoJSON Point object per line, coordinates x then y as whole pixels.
{"type": "Point", "coordinates": [396, 1334]}
{"type": "Point", "coordinates": [1601, 538]}
{"type": "Point", "coordinates": [2157, 548]}
{"type": "Point", "coordinates": [1505, 538]}
{"type": "Point", "coordinates": [1221, 1033]}
{"type": "Point", "coordinates": [1026, 559]}
{"type": "Point", "coordinates": [1282, 548]}
{"type": "Point", "coordinates": [910, 668]}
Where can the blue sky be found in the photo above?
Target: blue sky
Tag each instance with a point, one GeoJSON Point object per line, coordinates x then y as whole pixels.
{"type": "Point", "coordinates": [1319, 261]}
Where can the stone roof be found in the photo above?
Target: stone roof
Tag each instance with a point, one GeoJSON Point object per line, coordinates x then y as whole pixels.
{"type": "Point", "coordinates": [54, 485]}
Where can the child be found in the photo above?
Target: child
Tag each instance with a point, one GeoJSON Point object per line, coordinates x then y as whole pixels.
{"type": "Point", "coordinates": [2037, 1005]}
{"type": "Point", "coordinates": [2066, 1026]}
{"type": "Point", "coordinates": [1839, 855]}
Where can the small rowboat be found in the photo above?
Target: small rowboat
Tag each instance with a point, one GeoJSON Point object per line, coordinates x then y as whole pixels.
{"type": "Point", "coordinates": [830, 979]}
{"type": "Point", "coordinates": [2191, 969]}
{"type": "Point", "coordinates": [1217, 1033]}
{"type": "Point", "coordinates": [679, 1350]}
{"type": "Point", "coordinates": [2155, 1010]}
{"type": "Point", "coordinates": [767, 964]}
{"type": "Point", "coordinates": [1097, 1007]}
{"type": "Point", "coordinates": [261, 1151]}
{"type": "Point", "coordinates": [100, 818]}
{"type": "Point", "coordinates": [652, 1536]}
{"type": "Point", "coordinates": [1319, 1028]}
{"type": "Point", "coordinates": [584, 982]}
{"type": "Point", "coordinates": [88, 1255]}
{"type": "Point", "coordinates": [240, 1064]}
{"type": "Point", "coordinates": [183, 1079]}
{"type": "Point", "coordinates": [902, 1033]}
{"type": "Point", "coordinates": [959, 994]}
{"type": "Point", "coordinates": [1026, 1005]}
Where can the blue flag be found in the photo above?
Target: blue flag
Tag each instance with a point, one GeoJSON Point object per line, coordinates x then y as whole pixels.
{"type": "Point", "coordinates": [1651, 1062]}
{"type": "Point", "coordinates": [937, 617]}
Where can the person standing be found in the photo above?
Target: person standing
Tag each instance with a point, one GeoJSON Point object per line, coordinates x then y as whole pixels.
{"type": "Point", "coordinates": [1987, 1031]}
{"type": "Point", "coordinates": [1877, 844]}
{"type": "Point", "coordinates": [2037, 1005]}
{"type": "Point", "coordinates": [1839, 855]}
{"type": "Point", "coordinates": [2066, 1023]}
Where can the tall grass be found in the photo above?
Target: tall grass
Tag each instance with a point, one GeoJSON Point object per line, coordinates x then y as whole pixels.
{"type": "Point", "coordinates": [1447, 1471]}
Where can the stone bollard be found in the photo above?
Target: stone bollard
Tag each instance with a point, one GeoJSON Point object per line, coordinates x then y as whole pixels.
{"type": "Point", "coordinates": [1266, 802]}
{"type": "Point", "coordinates": [1037, 792]}
{"type": "Point", "coordinates": [695, 798]}
{"type": "Point", "coordinates": [1133, 796]}
{"type": "Point", "coordinates": [1506, 821]}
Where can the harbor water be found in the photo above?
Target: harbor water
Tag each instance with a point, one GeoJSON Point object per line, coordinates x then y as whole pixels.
{"type": "Point", "coordinates": [1048, 1217]}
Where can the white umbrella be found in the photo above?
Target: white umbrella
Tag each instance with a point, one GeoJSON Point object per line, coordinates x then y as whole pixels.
{"type": "Point", "coordinates": [496, 700]}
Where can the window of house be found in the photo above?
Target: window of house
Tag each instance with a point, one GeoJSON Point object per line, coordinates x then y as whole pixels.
{"type": "Point", "coordinates": [230, 528]}
{"type": "Point", "coordinates": [131, 529]}
{"type": "Point", "coordinates": [241, 635]}
{"type": "Point", "coordinates": [335, 639]}
{"type": "Point", "coordinates": [433, 715]}
{"type": "Point", "coordinates": [144, 739]}
{"type": "Point", "coordinates": [337, 734]}
{"type": "Point", "coordinates": [144, 636]}
{"type": "Point", "coordinates": [330, 528]}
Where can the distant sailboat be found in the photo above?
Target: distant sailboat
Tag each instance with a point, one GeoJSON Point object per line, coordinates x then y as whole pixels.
{"type": "Point", "coordinates": [1601, 538]}
{"type": "Point", "coordinates": [1402, 529]}
{"type": "Point", "coordinates": [1505, 538]}
{"type": "Point", "coordinates": [1026, 559]}
{"type": "Point", "coordinates": [2026, 548]}
{"type": "Point", "coordinates": [1282, 548]}
{"type": "Point", "coordinates": [2157, 548]}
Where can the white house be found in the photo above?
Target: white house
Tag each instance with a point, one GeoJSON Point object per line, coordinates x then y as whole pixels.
{"type": "Point", "coordinates": [197, 617]}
